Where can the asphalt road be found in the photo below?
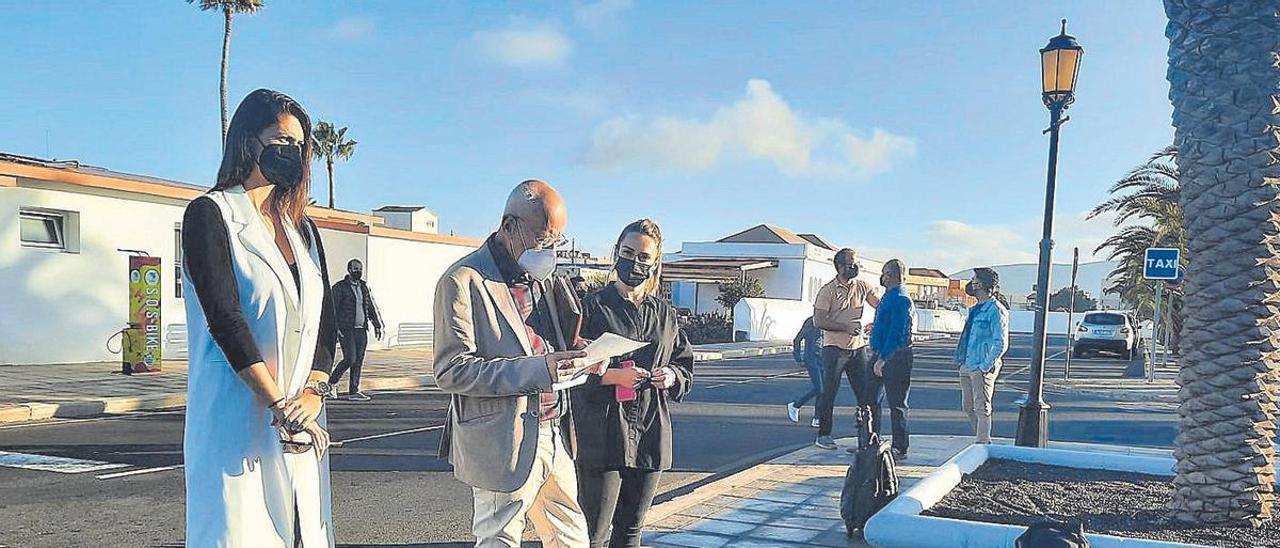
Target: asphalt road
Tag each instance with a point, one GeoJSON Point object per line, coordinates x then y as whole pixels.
{"type": "Point", "coordinates": [389, 489]}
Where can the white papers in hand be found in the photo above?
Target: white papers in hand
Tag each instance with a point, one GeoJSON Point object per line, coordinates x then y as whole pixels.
{"type": "Point", "coordinates": [608, 345]}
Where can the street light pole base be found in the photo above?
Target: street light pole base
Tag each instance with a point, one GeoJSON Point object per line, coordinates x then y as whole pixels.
{"type": "Point", "coordinates": [1033, 424]}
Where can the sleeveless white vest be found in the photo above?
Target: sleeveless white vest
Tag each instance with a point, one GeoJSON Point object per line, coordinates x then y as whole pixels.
{"type": "Point", "coordinates": [241, 487]}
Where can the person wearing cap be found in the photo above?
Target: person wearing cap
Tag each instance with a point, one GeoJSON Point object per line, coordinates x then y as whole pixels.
{"type": "Point", "coordinates": [837, 311]}
{"type": "Point", "coordinates": [982, 346]}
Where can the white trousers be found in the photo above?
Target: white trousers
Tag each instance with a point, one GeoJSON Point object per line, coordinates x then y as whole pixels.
{"type": "Point", "coordinates": [976, 390]}
{"type": "Point", "coordinates": [549, 498]}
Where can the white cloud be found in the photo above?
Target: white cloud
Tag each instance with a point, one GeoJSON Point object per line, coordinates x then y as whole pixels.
{"type": "Point", "coordinates": [760, 125]}
{"type": "Point", "coordinates": [525, 44]}
{"type": "Point", "coordinates": [599, 16]}
{"type": "Point", "coordinates": [353, 28]}
{"type": "Point", "coordinates": [952, 246]}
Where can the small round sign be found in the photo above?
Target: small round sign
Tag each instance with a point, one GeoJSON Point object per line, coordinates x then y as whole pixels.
{"type": "Point", "coordinates": [1179, 281]}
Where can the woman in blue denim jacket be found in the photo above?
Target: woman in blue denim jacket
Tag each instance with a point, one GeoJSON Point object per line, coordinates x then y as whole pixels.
{"type": "Point", "coordinates": [982, 345]}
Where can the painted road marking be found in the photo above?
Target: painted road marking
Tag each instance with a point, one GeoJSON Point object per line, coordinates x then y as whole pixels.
{"type": "Point", "coordinates": [335, 444]}
{"type": "Point", "coordinates": [61, 465]}
{"type": "Point", "coordinates": [138, 472]}
{"type": "Point", "coordinates": [754, 379]}
{"type": "Point", "coordinates": [389, 434]}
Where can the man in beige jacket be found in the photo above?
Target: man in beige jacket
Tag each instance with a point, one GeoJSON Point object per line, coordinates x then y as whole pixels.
{"type": "Point", "coordinates": [498, 350]}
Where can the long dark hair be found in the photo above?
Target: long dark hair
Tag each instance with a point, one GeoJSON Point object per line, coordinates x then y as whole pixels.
{"type": "Point", "coordinates": [256, 112]}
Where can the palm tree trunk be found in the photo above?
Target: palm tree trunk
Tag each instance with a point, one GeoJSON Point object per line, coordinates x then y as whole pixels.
{"type": "Point", "coordinates": [222, 85]}
{"type": "Point", "coordinates": [1222, 76]}
{"type": "Point", "coordinates": [330, 165]}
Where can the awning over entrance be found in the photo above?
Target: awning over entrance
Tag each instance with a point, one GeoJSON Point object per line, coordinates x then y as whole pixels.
{"type": "Point", "coordinates": [720, 269]}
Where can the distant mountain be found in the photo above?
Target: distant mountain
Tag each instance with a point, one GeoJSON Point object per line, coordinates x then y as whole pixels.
{"type": "Point", "coordinates": [1016, 280]}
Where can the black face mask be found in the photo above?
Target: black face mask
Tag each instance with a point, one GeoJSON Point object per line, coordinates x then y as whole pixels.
{"type": "Point", "coordinates": [971, 289]}
{"type": "Point", "coordinates": [281, 164]}
{"type": "Point", "coordinates": [884, 280]}
{"type": "Point", "coordinates": [355, 275]}
{"type": "Point", "coordinates": [632, 273]}
{"type": "Point", "coordinates": [849, 271]}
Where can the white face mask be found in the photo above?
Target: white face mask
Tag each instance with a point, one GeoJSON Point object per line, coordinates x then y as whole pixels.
{"type": "Point", "coordinates": [539, 263]}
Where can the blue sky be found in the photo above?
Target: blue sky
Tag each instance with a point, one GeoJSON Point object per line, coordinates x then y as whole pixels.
{"type": "Point", "coordinates": [908, 129]}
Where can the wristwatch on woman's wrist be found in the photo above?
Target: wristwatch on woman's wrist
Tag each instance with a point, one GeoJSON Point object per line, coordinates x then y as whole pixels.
{"type": "Point", "coordinates": [322, 389]}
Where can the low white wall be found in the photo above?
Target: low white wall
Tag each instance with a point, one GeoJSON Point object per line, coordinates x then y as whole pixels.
{"type": "Point", "coordinates": [1023, 321]}
{"type": "Point", "coordinates": [402, 276]}
{"type": "Point", "coordinates": [60, 307]}
{"type": "Point", "coordinates": [340, 247]}
{"type": "Point", "coordinates": [939, 321]}
{"type": "Point", "coordinates": [770, 319]}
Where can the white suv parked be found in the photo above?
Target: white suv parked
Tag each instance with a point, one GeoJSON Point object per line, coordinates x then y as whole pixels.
{"type": "Point", "coordinates": [1107, 331]}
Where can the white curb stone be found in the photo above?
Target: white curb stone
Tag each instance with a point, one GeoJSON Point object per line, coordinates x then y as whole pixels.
{"type": "Point", "coordinates": [900, 524]}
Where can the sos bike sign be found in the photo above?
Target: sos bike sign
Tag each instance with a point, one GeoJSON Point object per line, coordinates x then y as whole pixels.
{"type": "Point", "coordinates": [142, 343]}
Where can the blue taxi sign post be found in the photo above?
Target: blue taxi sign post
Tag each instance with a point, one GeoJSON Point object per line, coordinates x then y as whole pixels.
{"type": "Point", "coordinates": [1159, 263]}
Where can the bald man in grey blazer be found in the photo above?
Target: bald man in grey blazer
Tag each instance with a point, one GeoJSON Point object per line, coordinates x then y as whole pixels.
{"type": "Point", "coordinates": [498, 350]}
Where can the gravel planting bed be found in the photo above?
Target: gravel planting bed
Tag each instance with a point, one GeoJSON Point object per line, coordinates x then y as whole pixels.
{"type": "Point", "coordinates": [1123, 504]}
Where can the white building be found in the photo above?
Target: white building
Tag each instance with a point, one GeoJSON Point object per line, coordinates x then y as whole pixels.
{"type": "Point", "coordinates": [411, 218]}
{"type": "Point", "coordinates": [790, 266]}
{"type": "Point", "coordinates": [66, 230]}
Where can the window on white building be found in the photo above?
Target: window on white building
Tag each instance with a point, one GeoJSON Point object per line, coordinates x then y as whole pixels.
{"type": "Point", "coordinates": [50, 229]}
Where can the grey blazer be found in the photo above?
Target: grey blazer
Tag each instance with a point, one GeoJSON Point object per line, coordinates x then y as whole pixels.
{"type": "Point", "coordinates": [482, 358]}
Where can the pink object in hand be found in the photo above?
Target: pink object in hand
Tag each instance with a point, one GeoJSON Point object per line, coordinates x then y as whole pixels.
{"type": "Point", "coordinates": [625, 393]}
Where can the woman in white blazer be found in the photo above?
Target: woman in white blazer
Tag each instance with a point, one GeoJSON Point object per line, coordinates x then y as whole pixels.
{"type": "Point", "coordinates": [261, 341]}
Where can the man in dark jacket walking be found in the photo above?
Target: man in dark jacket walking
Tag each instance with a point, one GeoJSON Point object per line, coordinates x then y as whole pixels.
{"type": "Point", "coordinates": [354, 311]}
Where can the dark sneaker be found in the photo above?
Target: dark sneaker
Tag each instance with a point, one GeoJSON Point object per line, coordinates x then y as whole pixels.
{"type": "Point", "coordinates": [899, 455]}
{"type": "Point", "coordinates": [827, 443]}
{"type": "Point", "coordinates": [816, 423]}
{"type": "Point", "coordinates": [358, 396]}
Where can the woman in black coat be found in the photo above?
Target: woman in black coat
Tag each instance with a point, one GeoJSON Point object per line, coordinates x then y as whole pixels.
{"type": "Point", "coordinates": [622, 417]}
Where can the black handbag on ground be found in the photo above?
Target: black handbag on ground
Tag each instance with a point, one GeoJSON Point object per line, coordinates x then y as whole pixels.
{"type": "Point", "coordinates": [1054, 534]}
{"type": "Point", "coordinates": [871, 481]}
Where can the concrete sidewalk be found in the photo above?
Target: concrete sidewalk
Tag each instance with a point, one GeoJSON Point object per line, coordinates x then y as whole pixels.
{"type": "Point", "coordinates": [43, 391]}
{"type": "Point", "coordinates": [794, 500]}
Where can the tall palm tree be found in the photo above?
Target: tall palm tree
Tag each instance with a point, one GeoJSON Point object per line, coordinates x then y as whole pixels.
{"type": "Point", "coordinates": [228, 8]}
{"type": "Point", "coordinates": [1222, 75]}
{"type": "Point", "coordinates": [329, 145]}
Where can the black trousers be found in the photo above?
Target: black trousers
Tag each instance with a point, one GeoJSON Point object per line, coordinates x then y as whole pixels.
{"type": "Point", "coordinates": [617, 498]}
{"type": "Point", "coordinates": [354, 342]}
{"type": "Point", "coordinates": [896, 383]}
{"type": "Point", "coordinates": [854, 365]}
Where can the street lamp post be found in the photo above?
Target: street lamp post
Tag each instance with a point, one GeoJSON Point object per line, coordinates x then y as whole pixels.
{"type": "Point", "coordinates": [1059, 63]}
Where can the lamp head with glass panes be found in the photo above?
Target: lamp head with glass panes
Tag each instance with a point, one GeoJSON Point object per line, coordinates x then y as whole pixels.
{"type": "Point", "coordinates": [1059, 65]}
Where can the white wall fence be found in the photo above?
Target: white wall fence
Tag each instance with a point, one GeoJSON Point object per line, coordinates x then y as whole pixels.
{"type": "Point", "coordinates": [770, 319]}
{"type": "Point", "coordinates": [939, 321]}
{"type": "Point", "coordinates": [774, 319]}
{"type": "Point", "coordinates": [61, 307]}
